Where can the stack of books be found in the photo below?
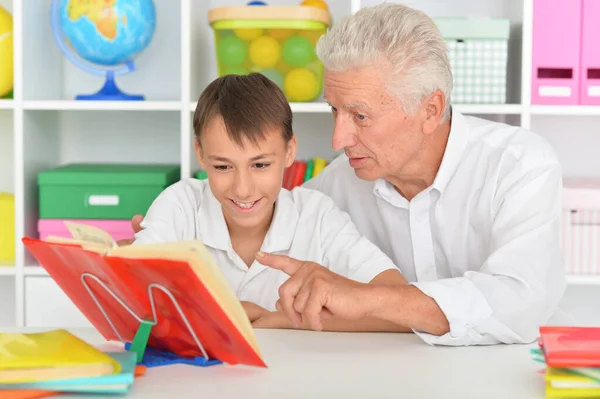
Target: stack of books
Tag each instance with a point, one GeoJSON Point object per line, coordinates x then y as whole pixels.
{"type": "Point", "coordinates": [301, 171]}
{"type": "Point", "coordinates": [572, 359]}
{"type": "Point", "coordinates": [36, 365]}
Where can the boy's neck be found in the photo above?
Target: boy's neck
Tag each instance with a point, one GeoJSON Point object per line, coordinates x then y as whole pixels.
{"type": "Point", "coordinates": [257, 232]}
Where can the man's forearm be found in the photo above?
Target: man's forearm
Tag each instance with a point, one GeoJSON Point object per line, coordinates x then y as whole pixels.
{"type": "Point", "coordinates": [405, 306]}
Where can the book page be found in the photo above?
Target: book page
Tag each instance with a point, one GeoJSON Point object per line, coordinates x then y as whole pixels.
{"type": "Point", "coordinates": [89, 246]}
{"type": "Point", "coordinates": [93, 234]}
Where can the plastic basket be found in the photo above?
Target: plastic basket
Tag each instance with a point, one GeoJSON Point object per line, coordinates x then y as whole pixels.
{"type": "Point", "coordinates": [277, 41]}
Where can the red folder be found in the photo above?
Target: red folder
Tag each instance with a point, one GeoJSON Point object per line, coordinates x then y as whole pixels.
{"type": "Point", "coordinates": [566, 347]}
{"type": "Point", "coordinates": [214, 314]}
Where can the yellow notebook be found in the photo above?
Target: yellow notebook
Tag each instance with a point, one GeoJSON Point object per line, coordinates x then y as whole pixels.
{"type": "Point", "coordinates": [51, 355]}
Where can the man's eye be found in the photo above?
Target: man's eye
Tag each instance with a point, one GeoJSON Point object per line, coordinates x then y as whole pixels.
{"type": "Point", "coordinates": [333, 109]}
{"type": "Point", "coordinates": [261, 165]}
{"type": "Point", "coordinates": [360, 117]}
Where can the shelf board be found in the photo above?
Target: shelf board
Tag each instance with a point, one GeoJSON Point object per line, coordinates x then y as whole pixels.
{"type": "Point", "coordinates": [8, 270]}
{"type": "Point", "coordinates": [7, 104]}
{"type": "Point", "coordinates": [561, 110]}
{"type": "Point", "coordinates": [73, 105]}
{"type": "Point", "coordinates": [492, 109]}
{"type": "Point", "coordinates": [35, 271]}
{"type": "Point", "coordinates": [583, 279]}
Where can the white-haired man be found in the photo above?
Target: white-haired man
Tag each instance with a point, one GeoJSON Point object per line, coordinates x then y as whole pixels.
{"type": "Point", "coordinates": [468, 209]}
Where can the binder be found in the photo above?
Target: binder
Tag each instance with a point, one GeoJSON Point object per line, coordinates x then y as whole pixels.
{"type": "Point", "coordinates": [590, 53]}
{"type": "Point", "coordinates": [556, 52]}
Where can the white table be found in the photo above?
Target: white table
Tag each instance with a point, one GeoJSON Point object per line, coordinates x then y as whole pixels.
{"type": "Point", "coordinates": [306, 364]}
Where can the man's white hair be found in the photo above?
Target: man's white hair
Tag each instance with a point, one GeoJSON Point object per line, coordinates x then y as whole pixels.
{"type": "Point", "coordinates": [409, 39]}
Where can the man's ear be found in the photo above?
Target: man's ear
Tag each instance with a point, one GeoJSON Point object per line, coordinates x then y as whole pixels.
{"type": "Point", "coordinates": [433, 110]}
{"type": "Point", "coordinates": [199, 154]}
{"type": "Point", "coordinates": [290, 155]}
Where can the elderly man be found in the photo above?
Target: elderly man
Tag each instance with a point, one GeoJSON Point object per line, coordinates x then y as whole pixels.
{"type": "Point", "coordinates": [468, 209]}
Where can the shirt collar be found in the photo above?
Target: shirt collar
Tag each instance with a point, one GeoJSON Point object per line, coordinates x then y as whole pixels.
{"type": "Point", "coordinates": [215, 234]}
{"type": "Point", "coordinates": [457, 142]}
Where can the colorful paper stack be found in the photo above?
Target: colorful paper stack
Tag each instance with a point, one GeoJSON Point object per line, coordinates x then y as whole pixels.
{"type": "Point", "coordinates": [572, 359]}
{"type": "Point", "coordinates": [43, 364]}
{"type": "Point", "coordinates": [301, 171]}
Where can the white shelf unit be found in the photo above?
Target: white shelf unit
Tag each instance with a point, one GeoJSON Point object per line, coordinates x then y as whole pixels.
{"type": "Point", "coordinates": [44, 126]}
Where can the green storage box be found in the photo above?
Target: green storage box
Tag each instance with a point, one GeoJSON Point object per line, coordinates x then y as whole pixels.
{"type": "Point", "coordinates": [102, 191]}
{"type": "Point", "coordinates": [201, 175]}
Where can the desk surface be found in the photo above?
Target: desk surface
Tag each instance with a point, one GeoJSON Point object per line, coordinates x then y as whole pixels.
{"type": "Point", "coordinates": [306, 364]}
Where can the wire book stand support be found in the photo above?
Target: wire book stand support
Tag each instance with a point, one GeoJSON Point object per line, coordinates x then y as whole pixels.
{"type": "Point", "coordinates": [149, 356]}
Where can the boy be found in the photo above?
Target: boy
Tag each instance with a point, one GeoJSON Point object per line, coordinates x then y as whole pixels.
{"type": "Point", "coordinates": [244, 140]}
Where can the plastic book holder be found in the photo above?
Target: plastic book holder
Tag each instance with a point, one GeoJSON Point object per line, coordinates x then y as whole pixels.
{"type": "Point", "coordinates": [148, 356]}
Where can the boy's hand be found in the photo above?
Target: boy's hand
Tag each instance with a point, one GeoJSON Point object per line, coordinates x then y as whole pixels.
{"type": "Point", "coordinates": [254, 311]}
{"type": "Point", "coordinates": [136, 225]}
{"type": "Point", "coordinates": [273, 320]}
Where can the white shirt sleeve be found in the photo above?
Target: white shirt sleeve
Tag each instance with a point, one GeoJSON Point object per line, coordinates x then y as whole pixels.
{"type": "Point", "coordinates": [520, 284]}
{"type": "Point", "coordinates": [345, 250]}
{"type": "Point", "coordinates": [163, 222]}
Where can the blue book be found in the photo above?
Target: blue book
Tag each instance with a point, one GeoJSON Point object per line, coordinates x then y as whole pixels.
{"type": "Point", "coordinates": [116, 383]}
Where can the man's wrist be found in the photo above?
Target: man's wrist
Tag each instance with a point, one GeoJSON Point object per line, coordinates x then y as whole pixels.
{"type": "Point", "coordinates": [376, 299]}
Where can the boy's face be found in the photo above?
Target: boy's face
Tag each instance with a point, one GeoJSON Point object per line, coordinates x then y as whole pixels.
{"type": "Point", "coordinates": [245, 180]}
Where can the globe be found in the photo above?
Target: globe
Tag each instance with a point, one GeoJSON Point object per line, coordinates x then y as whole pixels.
{"type": "Point", "coordinates": [103, 37]}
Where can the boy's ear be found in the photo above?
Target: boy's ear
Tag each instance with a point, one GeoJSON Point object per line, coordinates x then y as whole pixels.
{"type": "Point", "coordinates": [199, 154]}
{"type": "Point", "coordinates": [290, 156]}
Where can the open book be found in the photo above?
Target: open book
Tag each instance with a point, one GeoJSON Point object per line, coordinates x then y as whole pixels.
{"type": "Point", "coordinates": [185, 269]}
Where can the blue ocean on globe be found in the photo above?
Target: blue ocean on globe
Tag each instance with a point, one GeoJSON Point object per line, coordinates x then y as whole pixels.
{"type": "Point", "coordinates": [108, 32]}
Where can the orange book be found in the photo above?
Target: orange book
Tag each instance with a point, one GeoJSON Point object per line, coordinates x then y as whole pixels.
{"type": "Point", "coordinates": [566, 347]}
{"type": "Point", "coordinates": [185, 269]}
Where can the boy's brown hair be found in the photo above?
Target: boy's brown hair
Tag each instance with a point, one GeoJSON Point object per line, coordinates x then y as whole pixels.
{"type": "Point", "coordinates": [248, 104]}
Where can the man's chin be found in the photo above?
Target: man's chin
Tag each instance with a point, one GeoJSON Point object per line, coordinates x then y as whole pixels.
{"type": "Point", "coordinates": [368, 174]}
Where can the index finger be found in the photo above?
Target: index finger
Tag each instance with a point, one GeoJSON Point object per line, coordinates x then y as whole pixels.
{"type": "Point", "coordinates": [280, 262]}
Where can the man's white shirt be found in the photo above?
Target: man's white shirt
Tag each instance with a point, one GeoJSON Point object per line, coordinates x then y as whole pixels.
{"type": "Point", "coordinates": [483, 241]}
{"type": "Point", "coordinates": [306, 225]}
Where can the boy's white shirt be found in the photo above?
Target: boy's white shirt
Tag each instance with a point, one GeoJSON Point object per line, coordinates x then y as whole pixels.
{"type": "Point", "coordinates": [307, 225]}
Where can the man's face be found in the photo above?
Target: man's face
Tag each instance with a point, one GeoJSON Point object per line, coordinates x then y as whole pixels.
{"type": "Point", "coordinates": [370, 124]}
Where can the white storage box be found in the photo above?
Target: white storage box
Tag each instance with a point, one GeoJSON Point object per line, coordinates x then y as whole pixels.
{"type": "Point", "coordinates": [581, 227]}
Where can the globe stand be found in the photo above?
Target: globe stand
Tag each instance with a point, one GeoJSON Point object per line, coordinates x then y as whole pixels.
{"type": "Point", "coordinates": [110, 92]}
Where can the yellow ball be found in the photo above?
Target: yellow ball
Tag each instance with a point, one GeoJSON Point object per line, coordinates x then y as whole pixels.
{"type": "Point", "coordinates": [312, 34]}
{"type": "Point", "coordinates": [248, 34]}
{"type": "Point", "coordinates": [264, 52]}
{"type": "Point", "coordinates": [315, 3]}
{"type": "Point", "coordinates": [281, 34]}
{"type": "Point", "coordinates": [6, 52]}
{"type": "Point", "coordinates": [301, 85]}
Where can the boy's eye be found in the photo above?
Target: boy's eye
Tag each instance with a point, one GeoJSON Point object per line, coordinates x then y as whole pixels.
{"type": "Point", "coordinates": [261, 165]}
{"type": "Point", "coordinates": [221, 167]}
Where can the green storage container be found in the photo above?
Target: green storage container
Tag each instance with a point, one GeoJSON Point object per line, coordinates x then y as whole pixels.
{"type": "Point", "coordinates": [102, 191]}
{"type": "Point", "coordinates": [201, 175]}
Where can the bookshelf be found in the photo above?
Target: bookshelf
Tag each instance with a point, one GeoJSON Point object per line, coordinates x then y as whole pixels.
{"type": "Point", "coordinates": [43, 126]}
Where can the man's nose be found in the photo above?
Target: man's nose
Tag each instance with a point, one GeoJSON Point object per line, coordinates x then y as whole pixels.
{"type": "Point", "coordinates": [344, 133]}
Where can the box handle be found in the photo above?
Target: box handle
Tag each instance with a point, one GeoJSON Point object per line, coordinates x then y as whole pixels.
{"type": "Point", "coordinates": [103, 200]}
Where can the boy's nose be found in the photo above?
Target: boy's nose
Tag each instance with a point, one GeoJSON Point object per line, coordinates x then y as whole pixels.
{"type": "Point", "coordinates": [243, 187]}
